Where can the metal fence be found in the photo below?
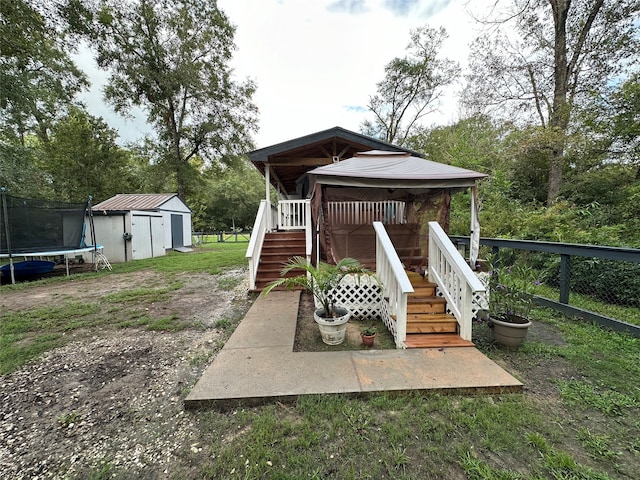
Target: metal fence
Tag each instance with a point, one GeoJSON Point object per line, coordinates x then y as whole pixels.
{"type": "Point", "coordinates": [203, 238]}
{"type": "Point", "coordinates": [597, 283]}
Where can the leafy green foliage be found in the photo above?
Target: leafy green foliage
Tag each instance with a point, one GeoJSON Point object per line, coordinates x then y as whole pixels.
{"type": "Point", "coordinates": [320, 279]}
{"type": "Point", "coordinates": [184, 84]}
{"type": "Point", "coordinates": [82, 159]}
{"type": "Point", "coordinates": [411, 88]}
{"type": "Point", "coordinates": [229, 198]}
{"type": "Point", "coordinates": [38, 78]}
{"type": "Point", "coordinates": [545, 61]}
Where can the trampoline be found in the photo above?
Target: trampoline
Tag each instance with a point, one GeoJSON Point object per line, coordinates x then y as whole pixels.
{"type": "Point", "coordinates": [33, 229]}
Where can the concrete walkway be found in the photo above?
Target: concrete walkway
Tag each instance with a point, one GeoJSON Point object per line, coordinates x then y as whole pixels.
{"type": "Point", "coordinates": [258, 365]}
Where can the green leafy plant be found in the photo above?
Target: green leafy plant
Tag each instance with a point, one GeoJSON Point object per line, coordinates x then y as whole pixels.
{"type": "Point", "coordinates": [320, 280]}
{"type": "Point", "coordinates": [511, 292]}
{"type": "Point", "coordinates": [368, 331]}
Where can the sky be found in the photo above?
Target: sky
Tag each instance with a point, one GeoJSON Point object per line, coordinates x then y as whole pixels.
{"type": "Point", "coordinates": [317, 62]}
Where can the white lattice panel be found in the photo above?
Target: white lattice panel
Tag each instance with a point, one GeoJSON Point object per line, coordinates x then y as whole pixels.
{"type": "Point", "coordinates": [362, 296]}
{"type": "Point", "coordinates": [387, 319]}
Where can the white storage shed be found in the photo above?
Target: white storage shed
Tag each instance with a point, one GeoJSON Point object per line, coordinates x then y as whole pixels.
{"type": "Point", "coordinates": [137, 226]}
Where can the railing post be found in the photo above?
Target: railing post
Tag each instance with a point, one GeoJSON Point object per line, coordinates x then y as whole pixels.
{"type": "Point", "coordinates": [565, 278]}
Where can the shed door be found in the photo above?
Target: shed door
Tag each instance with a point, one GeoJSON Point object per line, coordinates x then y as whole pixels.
{"type": "Point", "coordinates": [141, 237]}
{"type": "Point", "coordinates": [177, 236]}
{"type": "Point", "coordinates": [147, 237]}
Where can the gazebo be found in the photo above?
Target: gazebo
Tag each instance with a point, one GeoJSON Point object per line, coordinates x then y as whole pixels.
{"type": "Point", "coordinates": [344, 194]}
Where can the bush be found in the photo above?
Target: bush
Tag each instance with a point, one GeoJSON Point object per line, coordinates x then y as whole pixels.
{"type": "Point", "coordinates": [607, 280]}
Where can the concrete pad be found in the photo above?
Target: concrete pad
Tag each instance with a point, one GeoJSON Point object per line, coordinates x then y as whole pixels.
{"type": "Point", "coordinates": [258, 364]}
{"type": "Point", "coordinates": [270, 322]}
{"type": "Point", "coordinates": [261, 373]}
{"type": "Point", "coordinates": [430, 369]}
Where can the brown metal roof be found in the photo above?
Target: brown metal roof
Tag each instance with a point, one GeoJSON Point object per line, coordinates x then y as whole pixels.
{"type": "Point", "coordinates": [135, 201]}
{"type": "Point", "coordinates": [291, 159]}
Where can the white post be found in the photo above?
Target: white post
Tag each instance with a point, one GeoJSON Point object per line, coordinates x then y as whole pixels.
{"type": "Point", "coordinates": [267, 177]}
{"type": "Point", "coordinates": [474, 240]}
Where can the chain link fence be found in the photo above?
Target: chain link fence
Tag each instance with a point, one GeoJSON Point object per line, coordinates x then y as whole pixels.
{"type": "Point", "coordinates": [596, 283]}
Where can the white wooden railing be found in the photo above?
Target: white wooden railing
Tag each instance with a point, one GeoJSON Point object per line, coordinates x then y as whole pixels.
{"type": "Point", "coordinates": [255, 242]}
{"type": "Point", "coordinates": [358, 213]}
{"type": "Point", "coordinates": [292, 214]}
{"type": "Point", "coordinates": [296, 215]}
{"type": "Point", "coordinates": [395, 283]}
{"type": "Point", "coordinates": [456, 281]}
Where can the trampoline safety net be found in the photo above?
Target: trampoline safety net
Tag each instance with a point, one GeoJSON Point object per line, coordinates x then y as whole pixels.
{"type": "Point", "coordinates": [40, 225]}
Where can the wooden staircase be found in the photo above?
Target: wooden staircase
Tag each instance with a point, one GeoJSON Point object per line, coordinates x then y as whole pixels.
{"type": "Point", "coordinates": [277, 249]}
{"type": "Point", "coordinates": [428, 324]}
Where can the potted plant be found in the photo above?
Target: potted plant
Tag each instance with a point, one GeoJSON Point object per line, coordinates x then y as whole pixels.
{"type": "Point", "coordinates": [321, 280]}
{"type": "Point", "coordinates": [511, 291]}
{"type": "Point", "coordinates": [368, 335]}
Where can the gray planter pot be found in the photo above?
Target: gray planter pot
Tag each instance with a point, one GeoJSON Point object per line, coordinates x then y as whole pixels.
{"type": "Point", "coordinates": [509, 334]}
{"type": "Point", "coordinates": [332, 329]}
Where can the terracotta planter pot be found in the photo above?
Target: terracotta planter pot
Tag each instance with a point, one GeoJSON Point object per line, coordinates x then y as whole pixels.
{"type": "Point", "coordinates": [332, 329]}
{"type": "Point", "coordinates": [510, 334]}
{"type": "Point", "coordinates": [368, 340]}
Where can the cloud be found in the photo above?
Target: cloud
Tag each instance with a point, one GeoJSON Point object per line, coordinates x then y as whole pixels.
{"type": "Point", "coordinates": [428, 8]}
{"type": "Point", "coordinates": [434, 7]}
{"type": "Point", "coordinates": [400, 7]}
{"type": "Point", "coordinates": [349, 6]}
{"type": "Point", "coordinates": [355, 108]}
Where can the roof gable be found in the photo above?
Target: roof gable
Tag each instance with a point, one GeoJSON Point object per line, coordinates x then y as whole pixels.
{"type": "Point", "coordinates": [289, 160]}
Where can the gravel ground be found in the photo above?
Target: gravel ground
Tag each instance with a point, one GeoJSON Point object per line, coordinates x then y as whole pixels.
{"type": "Point", "coordinates": [112, 400]}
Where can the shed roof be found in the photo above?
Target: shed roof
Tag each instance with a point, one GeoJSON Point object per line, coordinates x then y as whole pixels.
{"type": "Point", "coordinates": [378, 168]}
{"type": "Point", "coordinates": [135, 201]}
{"type": "Point", "coordinates": [291, 159]}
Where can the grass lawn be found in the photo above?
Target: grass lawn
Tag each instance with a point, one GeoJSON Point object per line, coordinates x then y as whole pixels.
{"type": "Point", "coordinates": [578, 417]}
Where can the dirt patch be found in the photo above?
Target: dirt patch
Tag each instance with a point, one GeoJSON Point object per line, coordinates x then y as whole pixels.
{"type": "Point", "coordinates": [308, 337]}
{"type": "Point", "coordinates": [114, 396]}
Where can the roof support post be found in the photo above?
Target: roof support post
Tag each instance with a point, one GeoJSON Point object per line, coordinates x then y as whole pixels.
{"type": "Point", "coordinates": [474, 241]}
{"type": "Point", "coordinates": [267, 177]}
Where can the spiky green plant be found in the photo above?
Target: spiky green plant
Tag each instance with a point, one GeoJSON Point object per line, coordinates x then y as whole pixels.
{"type": "Point", "coordinates": [319, 279]}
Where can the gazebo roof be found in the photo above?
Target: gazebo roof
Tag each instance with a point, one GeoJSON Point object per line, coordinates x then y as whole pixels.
{"type": "Point", "coordinates": [291, 159]}
{"type": "Point", "coordinates": [387, 169]}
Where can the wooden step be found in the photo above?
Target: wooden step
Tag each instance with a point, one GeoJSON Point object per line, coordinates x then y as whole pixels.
{"type": "Point", "coordinates": [423, 291]}
{"type": "Point", "coordinates": [284, 236]}
{"type": "Point", "coordinates": [434, 340]}
{"type": "Point", "coordinates": [277, 250]}
{"type": "Point", "coordinates": [426, 305]}
{"type": "Point", "coordinates": [280, 244]}
{"type": "Point", "coordinates": [431, 323]}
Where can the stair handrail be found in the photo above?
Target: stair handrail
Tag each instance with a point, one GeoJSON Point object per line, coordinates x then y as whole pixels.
{"type": "Point", "coordinates": [395, 282]}
{"type": "Point", "coordinates": [456, 281]}
{"type": "Point", "coordinates": [254, 249]}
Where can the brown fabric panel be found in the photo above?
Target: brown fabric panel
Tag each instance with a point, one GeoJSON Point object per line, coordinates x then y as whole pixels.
{"type": "Point", "coordinates": [359, 242]}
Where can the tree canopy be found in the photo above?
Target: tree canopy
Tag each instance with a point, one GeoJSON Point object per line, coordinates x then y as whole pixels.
{"type": "Point", "coordinates": [38, 78]}
{"type": "Point", "coordinates": [172, 58]}
{"type": "Point", "coordinates": [544, 59]}
{"type": "Point", "coordinates": [411, 88]}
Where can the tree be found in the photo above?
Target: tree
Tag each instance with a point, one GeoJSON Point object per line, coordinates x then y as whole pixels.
{"type": "Point", "coordinates": [411, 88]}
{"type": "Point", "coordinates": [171, 58]}
{"type": "Point", "coordinates": [229, 198]}
{"type": "Point", "coordinates": [612, 124]}
{"type": "Point", "coordinates": [82, 159]}
{"type": "Point", "coordinates": [558, 52]}
{"type": "Point", "coordinates": [38, 79]}
{"type": "Point", "coordinates": [20, 173]}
